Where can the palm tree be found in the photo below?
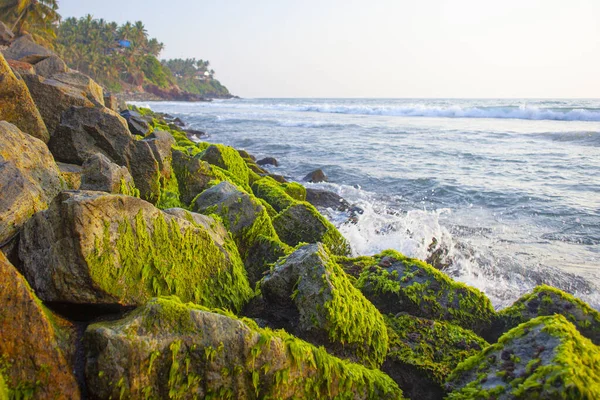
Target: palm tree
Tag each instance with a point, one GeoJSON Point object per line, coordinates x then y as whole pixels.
{"type": "Point", "coordinates": [39, 14]}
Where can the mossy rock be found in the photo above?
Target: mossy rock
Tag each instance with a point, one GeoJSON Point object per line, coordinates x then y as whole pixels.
{"type": "Point", "coordinates": [100, 174]}
{"type": "Point", "coordinates": [167, 349]}
{"type": "Point", "coordinates": [424, 352]}
{"type": "Point", "coordinates": [546, 300]}
{"type": "Point", "coordinates": [71, 175]}
{"type": "Point", "coordinates": [273, 193]}
{"type": "Point", "coordinates": [36, 346]}
{"type": "Point", "coordinates": [295, 190]}
{"type": "Point", "coordinates": [544, 358]}
{"type": "Point", "coordinates": [310, 295]}
{"type": "Point", "coordinates": [302, 223]}
{"type": "Point", "coordinates": [395, 284]}
{"type": "Point", "coordinates": [249, 223]}
{"type": "Point", "coordinates": [228, 159]}
{"type": "Point", "coordinates": [17, 106]}
{"type": "Point", "coordinates": [193, 175]}
{"type": "Point", "coordinates": [97, 248]}
{"type": "Point", "coordinates": [29, 179]}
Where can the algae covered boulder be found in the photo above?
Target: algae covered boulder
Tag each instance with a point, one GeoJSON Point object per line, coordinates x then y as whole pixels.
{"type": "Point", "coordinates": [302, 223]}
{"type": "Point", "coordinates": [17, 106]}
{"type": "Point", "coordinates": [396, 284]}
{"type": "Point", "coordinates": [311, 296]}
{"type": "Point", "coordinates": [29, 179]}
{"type": "Point", "coordinates": [35, 346]}
{"type": "Point", "coordinates": [193, 175]}
{"type": "Point", "coordinates": [228, 159]}
{"type": "Point", "coordinates": [544, 358]}
{"type": "Point", "coordinates": [167, 349]}
{"type": "Point", "coordinates": [98, 248]}
{"type": "Point", "coordinates": [101, 174]}
{"type": "Point", "coordinates": [546, 300]}
{"type": "Point", "coordinates": [273, 193]}
{"type": "Point", "coordinates": [424, 352]}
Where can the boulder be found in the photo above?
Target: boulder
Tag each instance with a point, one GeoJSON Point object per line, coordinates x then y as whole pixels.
{"type": "Point", "coordinates": [76, 79]}
{"type": "Point", "coordinates": [326, 199]}
{"type": "Point", "coordinates": [295, 190]}
{"type": "Point", "coordinates": [54, 98]}
{"type": "Point", "coordinates": [273, 193]}
{"type": "Point", "coordinates": [167, 349]}
{"type": "Point", "coordinates": [245, 155]}
{"type": "Point", "coordinates": [25, 49]}
{"type": "Point", "coordinates": [546, 300]}
{"type": "Point", "coordinates": [6, 35]}
{"type": "Point", "coordinates": [395, 284]}
{"type": "Point", "coordinates": [316, 176]}
{"type": "Point", "coordinates": [268, 161]}
{"type": "Point", "coordinates": [17, 106]}
{"type": "Point", "coordinates": [71, 174]}
{"type": "Point", "coordinates": [137, 124]}
{"type": "Point", "coordinates": [423, 353]}
{"type": "Point", "coordinates": [102, 249]}
{"type": "Point", "coordinates": [36, 347]}
{"type": "Point", "coordinates": [228, 159]}
{"type": "Point", "coordinates": [29, 179]}
{"type": "Point", "coordinates": [101, 174]}
{"type": "Point", "coordinates": [85, 131]}
{"type": "Point", "coordinates": [193, 175]}
{"type": "Point", "coordinates": [302, 223]}
{"type": "Point", "coordinates": [309, 295]}
{"type": "Point", "coordinates": [545, 358]}
{"type": "Point", "coordinates": [50, 66]}
{"type": "Point", "coordinates": [111, 101]}
{"type": "Point", "coordinates": [21, 68]}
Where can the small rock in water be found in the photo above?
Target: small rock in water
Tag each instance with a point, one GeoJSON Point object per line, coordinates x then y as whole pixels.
{"type": "Point", "coordinates": [316, 176]}
{"type": "Point", "coordinates": [268, 161]}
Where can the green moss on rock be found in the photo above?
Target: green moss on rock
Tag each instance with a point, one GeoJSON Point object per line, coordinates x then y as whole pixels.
{"type": "Point", "coordinates": [168, 349]}
{"type": "Point", "coordinates": [302, 223]}
{"type": "Point", "coordinates": [273, 193]}
{"type": "Point", "coordinates": [544, 358]}
{"type": "Point", "coordinates": [546, 300]}
{"type": "Point", "coordinates": [228, 159]}
{"type": "Point", "coordinates": [395, 283]}
{"type": "Point", "coordinates": [295, 191]}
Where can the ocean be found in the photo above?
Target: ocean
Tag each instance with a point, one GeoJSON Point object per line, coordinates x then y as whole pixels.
{"type": "Point", "coordinates": [505, 193]}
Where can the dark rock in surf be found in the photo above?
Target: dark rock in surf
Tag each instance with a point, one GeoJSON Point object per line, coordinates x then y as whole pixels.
{"type": "Point", "coordinates": [268, 161]}
{"type": "Point", "coordinates": [316, 176]}
{"type": "Point", "coordinates": [326, 199]}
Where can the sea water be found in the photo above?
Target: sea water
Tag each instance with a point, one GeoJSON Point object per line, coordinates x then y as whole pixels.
{"type": "Point", "coordinates": [506, 193]}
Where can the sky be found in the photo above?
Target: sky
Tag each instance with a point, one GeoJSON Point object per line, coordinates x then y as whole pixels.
{"type": "Point", "coordinates": [378, 48]}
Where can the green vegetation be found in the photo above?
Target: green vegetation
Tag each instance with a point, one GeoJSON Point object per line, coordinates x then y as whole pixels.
{"type": "Point", "coordinates": [194, 76]}
{"type": "Point", "coordinates": [37, 17]}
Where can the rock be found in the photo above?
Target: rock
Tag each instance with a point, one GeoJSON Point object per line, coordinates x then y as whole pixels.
{"type": "Point", "coordinates": [545, 358]}
{"type": "Point", "coordinates": [29, 179]}
{"type": "Point", "coordinates": [423, 353]}
{"type": "Point", "coordinates": [21, 68]}
{"type": "Point", "coordinates": [194, 134]}
{"type": "Point", "coordinates": [101, 174]}
{"type": "Point", "coordinates": [309, 295]}
{"type": "Point", "coordinates": [71, 174]}
{"type": "Point", "coordinates": [167, 349]}
{"type": "Point", "coordinates": [102, 249]}
{"type": "Point", "coordinates": [193, 175]}
{"type": "Point", "coordinates": [228, 159]}
{"type": "Point", "coordinates": [25, 49]}
{"type": "Point", "coordinates": [262, 253]}
{"type": "Point", "coordinates": [111, 101]}
{"type": "Point", "coordinates": [397, 284]}
{"type": "Point", "coordinates": [326, 199]}
{"type": "Point", "coordinates": [302, 223]}
{"type": "Point", "coordinates": [137, 124]}
{"type": "Point", "coordinates": [36, 347]}
{"type": "Point", "coordinates": [6, 35]}
{"type": "Point", "coordinates": [17, 106]}
{"type": "Point", "coordinates": [50, 66]}
{"type": "Point", "coordinates": [295, 190]}
{"type": "Point", "coordinates": [215, 229]}
{"type": "Point", "coordinates": [277, 178]}
{"type": "Point", "coordinates": [273, 193]}
{"type": "Point", "coordinates": [246, 219]}
{"type": "Point", "coordinates": [268, 161]}
{"type": "Point", "coordinates": [546, 300]}
{"type": "Point", "coordinates": [54, 98]}
{"type": "Point", "coordinates": [246, 155]}
{"type": "Point", "coordinates": [76, 79]}
{"type": "Point", "coordinates": [316, 176]}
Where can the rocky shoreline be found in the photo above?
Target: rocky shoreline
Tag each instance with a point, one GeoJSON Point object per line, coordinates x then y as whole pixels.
{"type": "Point", "coordinates": [137, 263]}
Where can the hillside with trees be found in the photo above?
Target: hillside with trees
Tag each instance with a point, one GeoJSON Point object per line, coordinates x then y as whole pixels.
{"type": "Point", "coordinates": [123, 58]}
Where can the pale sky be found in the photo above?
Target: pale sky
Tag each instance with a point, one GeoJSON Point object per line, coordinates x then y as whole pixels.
{"type": "Point", "coordinates": [378, 48]}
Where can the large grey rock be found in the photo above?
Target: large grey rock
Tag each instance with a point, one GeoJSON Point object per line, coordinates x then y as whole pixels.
{"type": "Point", "coordinates": [50, 66]}
{"type": "Point", "coordinates": [76, 79]}
{"type": "Point", "coordinates": [17, 106]}
{"type": "Point", "coordinates": [137, 124]}
{"type": "Point", "coordinates": [6, 35]}
{"type": "Point", "coordinates": [104, 249]}
{"type": "Point", "coordinates": [53, 98]}
{"type": "Point", "coordinates": [71, 174]}
{"type": "Point", "coordinates": [167, 349]}
{"type": "Point", "coordinates": [101, 174]}
{"type": "Point", "coordinates": [24, 49]}
{"type": "Point", "coordinates": [545, 358]}
{"type": "Point", "coordinates": [325, 199]}
{"type": "Point", "coordinates": [29, 179]}
{"type": "Point", "coordinates": [309, 295]}
{"type": "Point", "coordinates": [316, 176]}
